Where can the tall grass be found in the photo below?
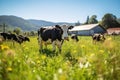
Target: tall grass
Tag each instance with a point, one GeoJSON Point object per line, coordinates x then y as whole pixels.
{"type": "Point", "coordinates": [81, 60]}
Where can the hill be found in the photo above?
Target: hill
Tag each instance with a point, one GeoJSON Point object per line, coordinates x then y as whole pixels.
{"type": "Point", "coordinates": [14, 21]}
{"type": "Point", "coordinates": [39, 23]}
{"type": "Point", "coordinates": [26, 25]}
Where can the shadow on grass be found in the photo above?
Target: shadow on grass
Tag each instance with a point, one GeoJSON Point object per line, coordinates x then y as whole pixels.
{"type": "Point", "coordinates": [49, 52]}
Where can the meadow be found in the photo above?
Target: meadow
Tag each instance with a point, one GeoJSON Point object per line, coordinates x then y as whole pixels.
{"type": "Point", "coordinates": [81, 60]}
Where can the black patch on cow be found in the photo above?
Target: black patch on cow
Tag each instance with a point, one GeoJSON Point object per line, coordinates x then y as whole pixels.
{"type": "Point", "coordinates": [54, 33]}
{"type": "Point", "coordinates": [74, 37]}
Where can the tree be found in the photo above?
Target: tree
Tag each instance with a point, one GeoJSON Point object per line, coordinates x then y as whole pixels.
{"type": "Point", "coordinates": [93, 20]}
{"type": "Point", "coordinates": [109, 21]}
{"type": "Point", "coordinates": [32, 33]}
{"type": "Point", "coordinates": [4, 27]}
{"type": "Point", "coordinates": [87, 20]}
{"type": "Point", "coordinates": [17, 30]}
{"type": "Point", "coordinates": [77, 24]}
{"type": "Point", "coordinates": [118, 20]}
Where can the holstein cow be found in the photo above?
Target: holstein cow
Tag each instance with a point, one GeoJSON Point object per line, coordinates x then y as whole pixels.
{"type": "Point", "coordinates": [10, 36]}
{"type": "Point", "coordinates": [53, 35]}
{"type": "Point", "coordinates": [23, 38]}
{"type": "Point", "coordinates": [98, 37]}
{"type": "Point", "coordinates": [74, 37]}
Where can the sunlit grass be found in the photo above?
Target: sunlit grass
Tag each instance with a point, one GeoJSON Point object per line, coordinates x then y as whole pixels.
{"type": "Point", "coordinates": [81, 60]}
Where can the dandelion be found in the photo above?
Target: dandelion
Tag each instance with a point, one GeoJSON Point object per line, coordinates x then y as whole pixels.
{"type": "Point", "coordinates": [3, 47]}
{"type": "Point", "coordinates": [6, 47]}
{"type": "Point", "coordinates": [9, 69]}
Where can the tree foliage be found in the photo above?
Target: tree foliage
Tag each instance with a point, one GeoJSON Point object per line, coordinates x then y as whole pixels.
{"type": "Point", "coordinates": [93, 19]}
{"type": "Point", "coordinates": [77, 24]}
{"type": "Point", "coordinates": [109, 21]}
{"type": "Point", "coordinates": [17, 31]}
{"type": "Point", "coordinates": [87, 20]}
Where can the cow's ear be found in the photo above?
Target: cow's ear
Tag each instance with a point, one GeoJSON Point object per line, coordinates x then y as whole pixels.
{"type": "Point", "coordinates": [57, 26]}
{"type": "Point", "coordinates": [70, 27]}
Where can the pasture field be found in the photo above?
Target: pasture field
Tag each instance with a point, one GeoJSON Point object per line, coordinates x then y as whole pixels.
{"type": "Point", "coordinates": [81, 60]}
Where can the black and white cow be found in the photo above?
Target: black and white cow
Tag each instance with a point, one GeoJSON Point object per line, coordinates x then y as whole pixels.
{"type": "Point", "coordinates": [98, 37]}
{"type": "Point", "coordinates": [10, 36]}
{"type": "Point", "coordinates": [74, 37]}
{"type": "Point", "coordinates": [23, 38]}
{"type": "Point", "coordinates": [53, 35]}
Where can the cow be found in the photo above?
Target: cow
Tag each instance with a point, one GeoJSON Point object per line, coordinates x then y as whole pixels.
{"type": "Point", "coordinates": [74, 37]}
{"type": "Point", "coordinates": [23, 38]}
{"type": "Point", "coordinates": [53, 35]}
{"type": "Point", "coordinates": [10, 36]}
{"type": "Point", "coordinates": [98, 37]}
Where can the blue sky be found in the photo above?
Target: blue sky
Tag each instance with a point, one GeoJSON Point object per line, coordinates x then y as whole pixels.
{"type": "Point", "coordinates": [59, 10]}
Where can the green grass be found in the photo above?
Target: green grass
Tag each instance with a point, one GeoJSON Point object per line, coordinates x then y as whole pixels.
{"type": "Point", "coordinates": [81, 60]}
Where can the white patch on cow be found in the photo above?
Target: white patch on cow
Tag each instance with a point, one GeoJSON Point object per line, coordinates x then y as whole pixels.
{"type": "Point", "coordinates": [59, 44]}
{"type": "Point", "coordinates": [65, 31]}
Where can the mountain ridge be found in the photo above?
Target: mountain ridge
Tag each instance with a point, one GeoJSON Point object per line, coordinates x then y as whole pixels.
{"type": "Point", "coordinates": [27, 24]}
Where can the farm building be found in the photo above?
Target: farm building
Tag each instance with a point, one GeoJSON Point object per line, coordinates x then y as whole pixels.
{"type": "Point", "coordinates": [87, 30]}
{"type": "Point", "coordinates": [113, 31]}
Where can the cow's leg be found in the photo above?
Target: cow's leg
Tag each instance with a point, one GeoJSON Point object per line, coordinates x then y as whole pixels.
{"type": "Point", "coordinates": [45, 45]}
{"type": "Point", "coordinates": [59, 45]}
{"type": "Point", "coordinates": [40, 44]}
{"type": "Point", "coordinates": [54, 47]}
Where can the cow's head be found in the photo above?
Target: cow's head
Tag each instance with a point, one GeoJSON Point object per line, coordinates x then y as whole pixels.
{"type": "Point", "coordinates": [65, 31]}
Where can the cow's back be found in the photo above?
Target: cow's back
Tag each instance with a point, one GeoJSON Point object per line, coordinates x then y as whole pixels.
{"type": "Point", "coordinates": [50, 33]}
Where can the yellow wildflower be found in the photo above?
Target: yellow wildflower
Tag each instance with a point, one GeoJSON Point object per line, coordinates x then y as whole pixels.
{"type": "Point", "coordinates": [3, 47]}
{"type": "Point", "coordinates": [9, 69]}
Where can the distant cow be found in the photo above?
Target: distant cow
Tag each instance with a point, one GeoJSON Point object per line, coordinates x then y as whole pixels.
{"type": "Point", "coordinates": [23, 38]}
{"type": "Point", "coordinates": [98, 37]}
{"type": "Point", "coordinates": [53, 35]}
{"type": "Point", "coordinates": [74, 37]}
{"type": "Point", "coordinates": [10, 36]}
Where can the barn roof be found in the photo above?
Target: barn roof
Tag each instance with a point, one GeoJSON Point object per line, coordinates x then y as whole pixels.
{"type": "Point", "coordinates": [84, 27]}
{"type": "Point", "coordinates": [113, 29]}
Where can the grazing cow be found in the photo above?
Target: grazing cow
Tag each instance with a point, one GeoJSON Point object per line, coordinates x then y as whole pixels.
{"type": "Point", "coordinates": [9, 36]}
{"type": "Point", "coordinates": [98, 37]}
{"type": "Point", "coordinates": [74, 37]}
{"type": "Point", "coordinates": [53, 35]}
{"type": "Point", "coordinates": [23, 38]}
